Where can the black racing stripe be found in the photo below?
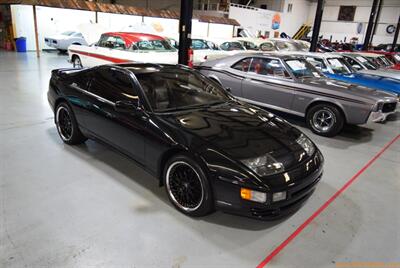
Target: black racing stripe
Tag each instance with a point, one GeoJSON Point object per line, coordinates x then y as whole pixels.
{"type": "Point", "coordinates": [284, 86]}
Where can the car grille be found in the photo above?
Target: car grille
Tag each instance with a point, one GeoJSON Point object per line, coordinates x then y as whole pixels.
{"type": "Point", "coordinates": [389, 107]}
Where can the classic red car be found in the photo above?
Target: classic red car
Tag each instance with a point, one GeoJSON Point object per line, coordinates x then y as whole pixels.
{"type": "Point", "coordinates": [394, 57]}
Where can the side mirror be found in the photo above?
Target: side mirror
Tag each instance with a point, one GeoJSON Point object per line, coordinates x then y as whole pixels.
{"type": "Point", "coordinates": [228, 89]}
{"type": "Point", "coordinates": [126, 106]}
{"type": "Point", "coordinates": [356, 67]}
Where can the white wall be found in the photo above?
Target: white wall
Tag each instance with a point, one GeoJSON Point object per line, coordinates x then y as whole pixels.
{"type": "Point", "coordinates": [56, 20]}
{"type": "Point", "coordinates": [52, 21]}
{"type": "Point", "coordinates": [339, 29]}
{"type": "Point", "coordinates": [261, 20]}
{"type": "Point", "coordinates": [22, 17]}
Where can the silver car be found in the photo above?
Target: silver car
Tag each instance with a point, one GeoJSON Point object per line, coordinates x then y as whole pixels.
{"type": "Point", "coordinates": [62, 41]}
{"type": "Point", "coordinates": [290, 84]}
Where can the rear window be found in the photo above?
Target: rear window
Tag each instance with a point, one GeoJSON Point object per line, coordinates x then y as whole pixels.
{"type": "Point", "coordinates": [153, 45]}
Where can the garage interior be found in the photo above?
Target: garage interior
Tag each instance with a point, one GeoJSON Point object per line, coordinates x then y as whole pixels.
{"type": "Point", "coordinates": [90, 206]}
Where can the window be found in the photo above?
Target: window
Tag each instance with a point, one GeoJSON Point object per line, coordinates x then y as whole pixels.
{"type": "Point", "coordinates": [339, 66]}
{"type": "Point", "coordinates": [346, 13]}
{"type": "Point", "coordinates": [119, 43]}
{"type": "Point", "coordinates": [270, 67]}
{"type": "Point", "coordinates": [302, 69]}
{"type": "Point", "coordinates": [286, 46]}
{"type": "Point", "coordinates": [199, 44]}
{"type": "Point", "coordinates": [106, 40]}
{"type": "Point", "coordinates": [153, 45]}
{"type": "Point", "coordinates": [317, 63]}
{"type": "Point", "coordinates": [175, 89]}
{"type": "Point", "coordinates": [267, 46]}
{"type": "Point", "coordinates": [113, 85]}
{"type": "Point", "coordinates": [354, 64]}
{"type": "Point", "coordinates": [289, 8]}
{"type": "Point", "coordinates": [232, 46]}
{"type": "Point", "coordinates": [367, 64]}
{"type": "Point", "coordinates": [242, 65]}
{"type": "Point", "coordinates": [81, 81]}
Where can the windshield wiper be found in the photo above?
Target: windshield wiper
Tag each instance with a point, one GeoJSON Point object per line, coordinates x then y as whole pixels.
{"type": "Point", "coordinates": [194, 106]}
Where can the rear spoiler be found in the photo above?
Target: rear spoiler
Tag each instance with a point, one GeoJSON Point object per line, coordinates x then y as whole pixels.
{"type": "Point", "coordinates": [66, 71]}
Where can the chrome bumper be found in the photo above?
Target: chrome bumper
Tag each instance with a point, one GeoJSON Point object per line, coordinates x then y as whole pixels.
{"type": "Point", "coordinates": [380, 116]}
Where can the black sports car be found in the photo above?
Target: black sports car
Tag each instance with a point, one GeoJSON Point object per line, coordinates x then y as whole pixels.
{"type": "Point", "coordinates": [208, 149]}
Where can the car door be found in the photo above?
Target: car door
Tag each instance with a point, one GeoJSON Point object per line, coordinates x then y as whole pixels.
{"type": "Point", "coordinates": [123, 130]}
{"type": "Point", "coordinates": [268, 82]}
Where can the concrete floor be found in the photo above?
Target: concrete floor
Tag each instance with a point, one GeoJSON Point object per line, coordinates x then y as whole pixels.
{"type": "Point", "coordinates": [88, 206]}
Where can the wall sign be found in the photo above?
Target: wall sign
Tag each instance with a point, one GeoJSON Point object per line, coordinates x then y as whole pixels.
{"type": "Point", "coordinates": [390, 29]}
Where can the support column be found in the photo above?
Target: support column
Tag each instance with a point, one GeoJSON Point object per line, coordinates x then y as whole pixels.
{"type": "Point", "coordinates": [396, 35]}
{"type": "Point", "coordinates": [185, 29]}
{"type": "Point", "coordinates": [36, 32]}
{"type": "Point", "coordinates": [317, 25]}
{"type": "Point", "coordinates": [367, 36]}
{"type": "Point", "coordinates": [378, 15]}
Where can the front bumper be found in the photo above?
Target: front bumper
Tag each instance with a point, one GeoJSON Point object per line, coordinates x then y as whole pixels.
{"type": "Point", "coordinates": [380, 116]}
{"type": "Point", "coordinates": [297, 193]}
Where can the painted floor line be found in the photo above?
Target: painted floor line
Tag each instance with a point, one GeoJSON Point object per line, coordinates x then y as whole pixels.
{"type": "Point", "coordinates": [279, 248]}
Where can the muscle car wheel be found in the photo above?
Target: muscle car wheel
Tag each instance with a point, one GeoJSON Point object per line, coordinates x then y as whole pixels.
{"type": "Point", "coordinates": [187, 186]}
{"type": "Point", "coordinates": [67, 126]}
{"type": "Point", "coordinates": [76, 62]}
{"type": "Point", "coordinates": [325, 120]}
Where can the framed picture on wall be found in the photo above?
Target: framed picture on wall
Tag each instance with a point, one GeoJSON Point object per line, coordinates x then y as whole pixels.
{"type": "Point", "coordinates": [346, 13]}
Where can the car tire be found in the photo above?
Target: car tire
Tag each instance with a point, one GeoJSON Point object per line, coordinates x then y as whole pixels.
{"type": "Point", "coordinates": [67, 126]}
{"type": "Point", "coordinates": [187, 186]}
{"type": "Point", "coordinates": [76, 62]}
{"type": "Point", "coordinates": [325, 120]}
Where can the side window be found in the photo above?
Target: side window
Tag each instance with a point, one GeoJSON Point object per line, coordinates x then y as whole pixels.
{"type": "Point", "coordinates": [317, 63]}
{"type": "Point", "coordinates": [106, 40]}
{"type": "Point", "coordinates": [270, 67]}
{"type": "Point", "coordinates": [267, 47]}
{"type": "Point", "coordinates": [113, 85]}
{"type": "Point", "coordinates": [242, 65]}
{"type": "Point", "coordinates": [353, 63]}
{"type": "Point", "coordinates": [81, 81]}
{"type": "Point", "coordinates": [199, 44]}
{"type": "Point", "coordinates": [119, 44]}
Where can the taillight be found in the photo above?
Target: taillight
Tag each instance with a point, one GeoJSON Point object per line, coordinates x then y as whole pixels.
{"type": "Point", "coordinates": [190, 61]}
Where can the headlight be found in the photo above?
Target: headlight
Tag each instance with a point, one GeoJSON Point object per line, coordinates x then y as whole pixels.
{"type": "Point", "coordinates": [264, 165]}
{"type": "Point", "coordinates": [378, 107]}
{"type": "Point", "coordinates": [306, 144]}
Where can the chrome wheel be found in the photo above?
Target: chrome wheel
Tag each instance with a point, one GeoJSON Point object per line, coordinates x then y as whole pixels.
{"type": "Point", "coordinates": [184, 186]}
{"type": "Point", "coordinates": [64, 123]}
{"type": "Point", "coordinates": [77, 63]}
{"type": "Point", "coordinates": [323, 120]}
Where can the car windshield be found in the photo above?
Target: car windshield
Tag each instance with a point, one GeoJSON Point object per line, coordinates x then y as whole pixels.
{"type": "Point", "coordinates": [173, 89]}
{"type": "Point", "coordinates": [68, 33]}
{"type": "Point", "coordinates": [153, 45]}
{"type": "Point", "coordinates": [286, 46]}
{"type": "Point", "coordinates": [302, 69]}
{"type": "Point", "coordinates": [368, 64]}
{"type": "Point", "coordinates": [339, 66]}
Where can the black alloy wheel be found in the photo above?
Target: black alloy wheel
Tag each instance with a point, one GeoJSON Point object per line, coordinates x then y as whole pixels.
{"type": "Point", "coordinates": [187, 187]}
{"type": "Point", "coordinates": [67, 126]}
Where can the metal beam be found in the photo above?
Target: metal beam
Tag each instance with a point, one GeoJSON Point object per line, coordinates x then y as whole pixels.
{"type": "Point", "coordinates": [396, 35]}
{"type": "Point", "coordinates": [185, 29]}
{"type": "Point", "coordinates": [36, 32]}
{"type": "Point", "coordinates": [377, 17]}
{"type": "Point", "coordinates": [317, 25]}
{"type": "Point", "coordinates": [367, 36]}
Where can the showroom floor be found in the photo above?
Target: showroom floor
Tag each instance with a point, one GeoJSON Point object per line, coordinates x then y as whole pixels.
{"type": "Point", "coordinates": [88, 206]}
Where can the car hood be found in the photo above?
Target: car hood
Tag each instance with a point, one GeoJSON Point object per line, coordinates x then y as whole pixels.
{"type": "Point", "coordinates": [384, 73]}
{"type": "Point", "coordinates": [350, 90]}
{"type": "Point", "coordinates": [58, 37]}
{"type": "Point", "coordinates": [241, 132]}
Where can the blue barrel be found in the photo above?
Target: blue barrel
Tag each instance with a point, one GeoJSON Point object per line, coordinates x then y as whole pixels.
{"type": "Point", "coordinates": [20, 43]}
